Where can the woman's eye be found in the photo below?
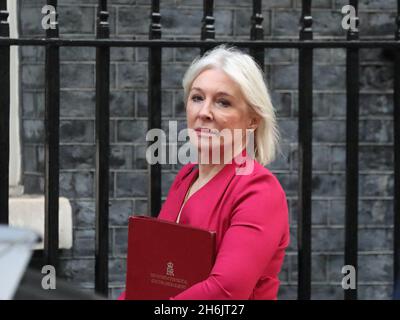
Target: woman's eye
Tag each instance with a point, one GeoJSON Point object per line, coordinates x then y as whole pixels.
{"type": "Point", "coordinates": [224, 103]}
{"type": "Point", "coordinates": [196, 98]}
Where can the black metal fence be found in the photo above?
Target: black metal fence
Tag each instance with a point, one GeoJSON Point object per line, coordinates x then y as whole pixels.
{"type": "Point", "coordinates": [256, 44]}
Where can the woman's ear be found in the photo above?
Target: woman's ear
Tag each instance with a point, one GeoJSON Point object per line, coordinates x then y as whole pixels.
{"type": "Point", "coordinates": [254, 122]}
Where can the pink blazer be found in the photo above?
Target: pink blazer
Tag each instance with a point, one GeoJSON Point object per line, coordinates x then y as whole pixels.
{"type": "Point", "coordinates": [250, 216]}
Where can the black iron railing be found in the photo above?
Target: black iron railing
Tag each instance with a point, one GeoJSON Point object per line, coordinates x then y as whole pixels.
{"type": "Point", "coordinates": [52, 141]}
{"type": "Point", "coordinates": [102, 149]}
{"type": "Point", "coordinates": [352, 111]}
{"type": "Point", "coordinates": [305, 154]}
{"type": "Point", "coordinates": [256, 44]}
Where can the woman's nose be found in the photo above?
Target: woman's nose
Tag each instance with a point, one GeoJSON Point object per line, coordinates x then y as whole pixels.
{"type": "Point", "coordinates": [205, 111]}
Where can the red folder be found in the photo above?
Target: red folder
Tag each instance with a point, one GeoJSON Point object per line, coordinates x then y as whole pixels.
{"type": "Point", "coordinates": [165, 258]}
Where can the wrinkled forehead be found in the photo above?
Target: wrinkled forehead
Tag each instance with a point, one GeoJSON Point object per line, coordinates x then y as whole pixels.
{"type": "Point", "coordinates": [216, 81]}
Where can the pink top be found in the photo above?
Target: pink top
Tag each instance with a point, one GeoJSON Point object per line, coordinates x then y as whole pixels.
{"type": "Point", "coordinates": [250, 216]}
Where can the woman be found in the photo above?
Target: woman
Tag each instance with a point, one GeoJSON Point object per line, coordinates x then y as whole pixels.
{"type": "Point", "coordinates": [239, 199]}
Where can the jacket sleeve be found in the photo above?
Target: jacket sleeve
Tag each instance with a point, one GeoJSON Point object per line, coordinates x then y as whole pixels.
{"type": "Point", "coordinates": [259, 226]}
{"type": "Point", "coordinates": [122, 296]}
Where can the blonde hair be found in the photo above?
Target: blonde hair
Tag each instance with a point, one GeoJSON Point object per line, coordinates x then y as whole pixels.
{"type": "Point", "coordinates": [242, 69]}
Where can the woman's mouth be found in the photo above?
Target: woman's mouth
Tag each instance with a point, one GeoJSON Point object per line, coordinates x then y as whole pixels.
{"type": "Point", "coordinates": [205, 131]}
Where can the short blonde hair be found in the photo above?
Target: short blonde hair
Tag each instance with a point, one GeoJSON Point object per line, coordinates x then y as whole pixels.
{"type": "Point", "coordinates": [242, 69]}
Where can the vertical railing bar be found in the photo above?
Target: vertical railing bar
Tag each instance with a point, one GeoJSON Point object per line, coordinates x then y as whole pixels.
{"type": "Point", "coordinates": [207, 28]}
{"type": "Point", "coordinates": [52, 121]}
{"type": "Point", "coordinates": [4, 114]}
{"type": "Point", "coordinates": [396, 192]}
{"type": "Point", "coordinates": [352, 124]}
{"type": "Point", "coordinates": [257, 33]}
{"type": "Point", "coordinates": [154, 106]}
{"type": "Point", "coordinates": [102, 150]}
{"type": "Point", "coordinates": [305, 154]}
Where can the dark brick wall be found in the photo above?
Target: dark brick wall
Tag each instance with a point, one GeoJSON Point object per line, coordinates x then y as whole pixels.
{"type": "Point", "coordinates": [128, 176]}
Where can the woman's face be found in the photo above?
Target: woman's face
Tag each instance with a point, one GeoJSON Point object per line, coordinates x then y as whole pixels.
{"type": "Point", "coordinates": [216, 103]}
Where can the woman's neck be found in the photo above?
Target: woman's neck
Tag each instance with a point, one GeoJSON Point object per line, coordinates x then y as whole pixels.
{"type": "Point", "coordinates": [207, 171]}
